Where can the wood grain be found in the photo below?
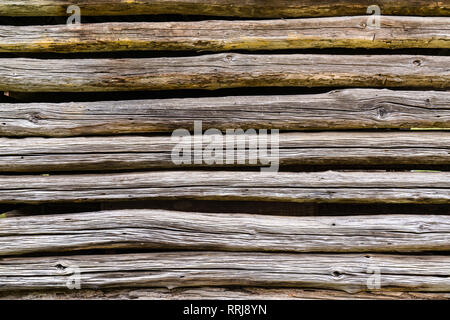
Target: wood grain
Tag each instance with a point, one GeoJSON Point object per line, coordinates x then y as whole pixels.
{"type": "Point", "coordinates": [340, 32]}
{"type": "Point", "coordinates": [140, 152]}
{"type": "Point", "coordinates": [225, 70]}
{"type": "Point", "coordinates": [163, 230]}
{"type": "Point", "coordinates": [357, 187]}
{"type": "Point", "coordinates": [346, 272]}
{"type": "Point", "coordinates": [236, 8]}
{"type": "Point", "coordinates": [339, 109]}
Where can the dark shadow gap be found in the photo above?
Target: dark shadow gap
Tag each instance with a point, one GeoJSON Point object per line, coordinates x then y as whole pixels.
{"type": "Point", "coordinates": [193, 53]}
{"type": "Point", "coordinates": [217, 206]}
{"type": "Point", "coordinates": [54, 97]}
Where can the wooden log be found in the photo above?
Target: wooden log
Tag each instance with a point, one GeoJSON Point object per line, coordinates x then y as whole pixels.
{"type": "Point", "coordinates": [339, 109]}
{"type": "Point", "coordinates": [249, 8]}
{"type": "Point", "coordinates": [356, 187]}
{"type": "Point", "coordinates": [295, 149]}
{"type": "Point", "coordinates": [225, 70]}
{"type": "Point", "coordinates": [173, 230]}
{"type": "Point", "coordinates": [217, 293]}
{"type": "Point", "coordinates": [347, 272]}
{"type": "Point", "coordinates": [340, 32]}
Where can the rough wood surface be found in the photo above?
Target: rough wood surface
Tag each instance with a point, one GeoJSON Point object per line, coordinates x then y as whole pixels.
{"type": "Point", "coordinates": [340, 32]}
{"type": "Point", "coordinates": [347, 272]}
{"type": "Point", "coordinates": [141, 152]}
{"type": "Point", "coordinates": [339, 109]}
{"type": "Point", "coordinates": [361, 187]}
{"type": "Point", "coordinates": [239, 8]}
{"type": "Point", "coordinates": [224, 70]}
{"type": "Point", "coordinates": [161, 229]}
{"type": "Point", "coordinates": [218, 293]}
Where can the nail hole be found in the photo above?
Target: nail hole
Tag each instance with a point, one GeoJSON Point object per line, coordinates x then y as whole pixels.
{"type": "Point", "coordinates": [336, 274]}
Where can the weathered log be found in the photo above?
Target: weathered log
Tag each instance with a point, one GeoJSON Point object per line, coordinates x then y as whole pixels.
{"type": "Point", "coordinates": [217, 293]}
{"type": "Point", "coordinates": [348, 272]}
{"type": "Point", "coordinates": [249, 8]}
{"type": "Point", "coordinates": [340, 32]}
{"type": "Point", "coordinates": [339, 109]}
{"type": "Point", "coordinates": [160, 229]}
{"type": "Point", "coordinates": [357, 187]}
{"type": "Point", "coordinates": [225, 70]}
{"type": "Point", "coordinates": [139, 152]}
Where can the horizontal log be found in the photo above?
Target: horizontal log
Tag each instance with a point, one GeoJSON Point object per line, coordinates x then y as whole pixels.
{"type": "Point", "coordinates": [296, 149]}
{"type": "Point", "coordinates": [341, 32]}
{"type": "Point", "coordinates": [161, 229]}
{"type": "Point", "coordinates": [249, 8]}
{"type": "Point", "coordinates": [347, 272]}
{"type": "Point", "coordinates": [339, 109]}
{"type": "Point", "coordinates": [225, 70]}
{"type": "Point", "coordinates": [218, 293]}
{"type": "Point", "coordinates": [361, 187]}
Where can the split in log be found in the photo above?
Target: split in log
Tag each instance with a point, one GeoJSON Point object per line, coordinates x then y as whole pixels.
{"type": "Point", "coordinates": [173, 230]}
{"type": "Point", "coordinates": [351, 273]}
{"type": "Point", "coordinates": [340, 32]}
{"type": "Point", "coordinates": [224, 70]}
{"type": "Point", "coordinates": [295, 149]}
{"type": "Point", "coordinates": [235, 8]}
{"type": "Point", "coordinates": [339, 109]}
{"type": "Point", "coordinates": [356, 187]}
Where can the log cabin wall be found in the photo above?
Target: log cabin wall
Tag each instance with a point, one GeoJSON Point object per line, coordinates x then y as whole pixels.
{"type": "Point", "coordinates": [93, 205]}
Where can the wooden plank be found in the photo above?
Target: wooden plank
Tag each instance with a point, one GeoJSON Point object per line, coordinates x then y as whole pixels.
{"type": "Point", "coordinates": [361, 187]}
{"type": "Point", "coordinates": [173, 230]}
{"type": "Point", "coordinates": [225, 70]}
{"type": "Point", "coordinates": [339, 109]}
{"type": "Point", "coordinates": [346, 272]}
{"type": "Point", "coordinates": [249, 8]}
{"type": "Point", "coordinates": [340, 32]}
{"type": "Point", "coordinates": [217, 293]}
{"type": "Point", "coordinates": [141, 152]}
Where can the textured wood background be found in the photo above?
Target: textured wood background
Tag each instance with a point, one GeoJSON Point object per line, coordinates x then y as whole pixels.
{"type": "Point", "coordinates": [86, 175]}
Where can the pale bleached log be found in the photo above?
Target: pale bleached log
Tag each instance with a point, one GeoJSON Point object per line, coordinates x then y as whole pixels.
{"type": "Point", "coordinates": [139, 152]}
{"type": "Point", "coordinates": [160, 229]}
{"type": "Point", "coordinates": [224, 70]}
{"type": "Point", "coordinates": [347, 272]}
{"type": "Point", "coordinates": [322, 187]}
{"type": "Point", "coordinates": [339, 109]}
{"type": "Point", "coordinates": [335, 32]}
{"type": "Point", "coordinates": [236, 8]}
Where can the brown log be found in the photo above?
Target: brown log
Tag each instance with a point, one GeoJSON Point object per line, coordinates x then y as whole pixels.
{"type": "Point", "coordinates": [218, 293]}
{"type": "Point", "coordinates": [227, 70]}
{"type": "Point", "coordinates": [237, 8]}
{"type": "Point", "coordinates": [339, 109]}
{"type": "Point", "coordinates": [340, 32]}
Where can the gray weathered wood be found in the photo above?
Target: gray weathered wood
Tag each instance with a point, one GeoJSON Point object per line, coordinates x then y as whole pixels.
{"type": "Point", "coordinates": [335, 32]}
{"type": "Point", "coordinates": [225, 70]}
{"type": "Point", "coordinates": [339, 109]}
{"type": "Point", "coordinates": [248, 8]}
{"type": "Point", "coordinates": [140, 152]}
{"type": "Point", "coordinates": [347, 272]}
{"type": "Point", "coordinates": [161, 229]}
{"type": "Point", "coordinates": [362, 187]}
